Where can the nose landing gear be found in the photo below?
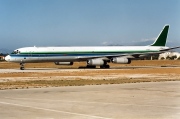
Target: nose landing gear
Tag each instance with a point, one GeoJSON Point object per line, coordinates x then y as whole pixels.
{"type": "Point", "coordinates": [21, 66]}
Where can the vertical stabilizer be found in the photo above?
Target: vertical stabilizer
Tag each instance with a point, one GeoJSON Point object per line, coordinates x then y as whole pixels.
{"type": "Point", "coordinates": [161, 39]}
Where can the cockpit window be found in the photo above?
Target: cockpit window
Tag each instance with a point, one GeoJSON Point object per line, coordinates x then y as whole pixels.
{"type": "Point", "coordinates": [15, 52]}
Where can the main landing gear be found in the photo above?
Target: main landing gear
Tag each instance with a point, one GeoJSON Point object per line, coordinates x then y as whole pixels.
{"type": "Point", "coordinates": [104, 66]}
{"type": "Point", "coordinates": [21, 66]}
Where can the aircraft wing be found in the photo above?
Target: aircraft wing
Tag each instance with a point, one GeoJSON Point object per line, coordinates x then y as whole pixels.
{"type": "Point", "coordinates": [128, 55]}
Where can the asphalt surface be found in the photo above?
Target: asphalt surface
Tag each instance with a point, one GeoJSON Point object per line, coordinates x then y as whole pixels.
{"type": "Point", "coordinates": [154, 100]}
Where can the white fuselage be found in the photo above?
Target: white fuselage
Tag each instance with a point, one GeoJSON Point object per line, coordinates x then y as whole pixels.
{"type": "Point", "coordinates": [71, 54]}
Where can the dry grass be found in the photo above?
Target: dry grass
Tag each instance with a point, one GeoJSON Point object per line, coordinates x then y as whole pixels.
{"type": "Point", "coordinates": [81, 82]}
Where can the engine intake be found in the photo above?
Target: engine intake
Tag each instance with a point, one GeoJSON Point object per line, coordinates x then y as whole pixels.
{"type": "Point", "coordinates": [121, 60]}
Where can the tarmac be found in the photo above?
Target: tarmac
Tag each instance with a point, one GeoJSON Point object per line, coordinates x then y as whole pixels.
{"type": "Point", "coordinates": [152, 100]}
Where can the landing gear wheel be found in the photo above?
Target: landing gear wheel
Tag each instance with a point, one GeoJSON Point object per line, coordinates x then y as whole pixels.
{"type": "Point", "coordinates": [89, 66]}
{"type": "Point", "coordinates": [104, 66]}
{"type": "Point", "coordinates": [22, 66]}
{"type": "Point", "coordinates": [107, 66]}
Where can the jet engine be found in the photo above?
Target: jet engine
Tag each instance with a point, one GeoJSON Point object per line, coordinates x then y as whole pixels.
{"type": "Point", "coordinates": [95, 62]}
{"type": "Point", "coordinates": [121, 60]}
{"type": "Point", "coordinates": [63, 63]}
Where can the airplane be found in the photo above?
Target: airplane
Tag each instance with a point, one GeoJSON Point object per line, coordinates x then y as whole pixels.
{"type": "Point", "coordinates": [93, 55]}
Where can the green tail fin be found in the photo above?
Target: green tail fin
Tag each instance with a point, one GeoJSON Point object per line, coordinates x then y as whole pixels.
{"type": "Point", "coordinates": [161, 39]}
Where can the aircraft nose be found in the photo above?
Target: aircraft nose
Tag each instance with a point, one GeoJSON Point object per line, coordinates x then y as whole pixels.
{"type": "Point", "coordinates": [7, 58]}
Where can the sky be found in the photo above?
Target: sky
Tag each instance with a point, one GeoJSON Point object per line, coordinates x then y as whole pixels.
{"type": "Point", "coordinates": [26, 23]}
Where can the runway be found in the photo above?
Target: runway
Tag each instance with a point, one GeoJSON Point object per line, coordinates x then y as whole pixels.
{"type": "Point", "coordinates": [151, 100]}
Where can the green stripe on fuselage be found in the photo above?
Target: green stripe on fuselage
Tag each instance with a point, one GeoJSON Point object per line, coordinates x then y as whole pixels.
{"type": "Point", "coordinates": [89, 52]}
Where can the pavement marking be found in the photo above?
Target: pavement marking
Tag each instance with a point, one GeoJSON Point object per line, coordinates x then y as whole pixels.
{"type": "Point", "coordinates": [95, 102]}
{"type": "Point", "coordinates": [78, 114]}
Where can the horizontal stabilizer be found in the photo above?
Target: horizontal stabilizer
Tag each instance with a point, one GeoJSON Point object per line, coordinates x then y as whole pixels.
{"type": "Point", "coordinates": [170, 48]}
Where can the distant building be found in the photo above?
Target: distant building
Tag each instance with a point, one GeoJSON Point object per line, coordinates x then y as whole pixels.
{"type": "Point", "coordinates": [171, 55]}
{"type": "Point", "coordinates": [2, 56]}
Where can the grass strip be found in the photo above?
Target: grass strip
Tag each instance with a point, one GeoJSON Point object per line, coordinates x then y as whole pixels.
{"type": "Point", "coordinates": [80, 82]}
